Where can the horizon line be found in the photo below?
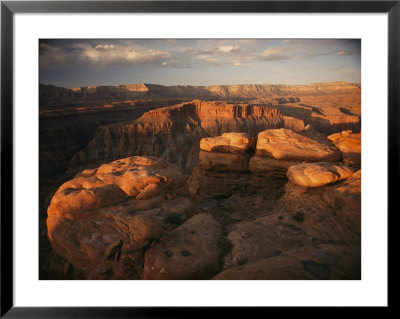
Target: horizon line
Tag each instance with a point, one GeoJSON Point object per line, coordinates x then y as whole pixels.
{"type": "Point", "coordinates": [191, 85]}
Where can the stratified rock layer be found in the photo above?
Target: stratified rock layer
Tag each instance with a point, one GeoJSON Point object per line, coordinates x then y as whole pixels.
{"type": "Point", "coordinates": [50, 93]}
{"type": "Point", "coordinates": [174, 133]}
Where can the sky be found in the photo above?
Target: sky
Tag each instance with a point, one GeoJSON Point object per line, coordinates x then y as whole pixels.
{"type": "Point", "coordinates": [74, 63]}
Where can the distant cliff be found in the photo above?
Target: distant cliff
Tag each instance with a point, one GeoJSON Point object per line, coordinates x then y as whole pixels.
{"type": "Point", "coordinates": [50, 94]}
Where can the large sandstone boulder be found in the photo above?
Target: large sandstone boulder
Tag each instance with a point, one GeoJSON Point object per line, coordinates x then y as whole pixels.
{"type": "Point", "coordinates": [319, 263]}
{"type": "Point", "coordinates": [283, 144]}
{"type": "Point", "coordinates": [350, 145]}
{"type": "Point", "coordinates": [223, 166]}
{"type": "Point", "coordinates": [188, 252]}
{"type": "Point", "coordinates": [102, 220]}
{"type": "Point", "coordinates": [229, 152]}
{"type": "Point", "coordinates": [317, 174]}
{"type": "Point", "coordinates": [136, 177]}
{"type": "Point", "coordinates": [235, 143]}
{"type": "Point", "coordinates": [278, 149]}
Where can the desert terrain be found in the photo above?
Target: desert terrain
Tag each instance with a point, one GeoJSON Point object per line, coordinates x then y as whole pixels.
{"type": "Point", "coordinates": [224, 182]}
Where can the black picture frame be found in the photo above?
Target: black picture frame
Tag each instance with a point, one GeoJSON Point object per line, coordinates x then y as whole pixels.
{"type": "Point", "coordinates": [9, 8]}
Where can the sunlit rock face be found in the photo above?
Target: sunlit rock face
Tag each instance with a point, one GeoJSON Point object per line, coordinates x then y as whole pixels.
{"type": "Point", "coordinates": [278, 149]}
{"type": "Point", "coordinates": [235, 143]}
{"type": "Point", "coordinates": [284, 144]}
{"type": "Point", "coordinates": [349, 144]}
{"type": "Point", "coordinates": [102, 220]}
{"type": "Point", "coordinates": [317, 174]}
{"type": "Point", "coordinates": [268, 159]}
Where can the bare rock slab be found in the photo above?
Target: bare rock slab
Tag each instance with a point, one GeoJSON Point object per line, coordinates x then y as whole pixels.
{"type": "Point", "coordinates": [188, 252]}
{"type": "Point", "coordinates": [346, 200]}
{"type": "Point", "coordinates": [308, 263]}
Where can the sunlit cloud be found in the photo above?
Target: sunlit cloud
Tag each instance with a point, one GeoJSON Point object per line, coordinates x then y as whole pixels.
{"type": "Point", "coordinates": [228, 48]}
{"type": "Point", "coordinates": [118, 54]}
{"type": "Point", "coordinates": [342, 53]}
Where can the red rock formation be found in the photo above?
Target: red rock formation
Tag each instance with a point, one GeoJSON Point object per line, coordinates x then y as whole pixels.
{"type": "Point", "coordinates": [317, 213]}
{"type": "Point", "coordinates": [278, 149]}
{"type": "Point", "coordinates": [173, 133]}
{"type": "Point", "coordinates": [317, 174]}
{"type": "Point", "coordinates": [102, 220]}
{"type": "Point", "coordinates": [283, 144]}
{"type": "Point", "coordinates": [350, 145]}
{"type": "Point", "coordinates": [132, 218]}
{"type": "Point", "coordinates": [235, 143]}
{"type": "Point", "coordinates": [324, 107]}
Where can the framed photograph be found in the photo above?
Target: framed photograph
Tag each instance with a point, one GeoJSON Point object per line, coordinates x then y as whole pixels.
{"type": "Point", "coordinates": [162, 156]}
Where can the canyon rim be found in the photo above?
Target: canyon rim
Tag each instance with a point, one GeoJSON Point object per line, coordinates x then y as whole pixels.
{"type": "Point", "coordinates": [200, 159]}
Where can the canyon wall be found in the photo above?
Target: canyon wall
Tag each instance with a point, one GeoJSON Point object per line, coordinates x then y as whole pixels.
{"type": "Point", "coordinates": [173, 133]}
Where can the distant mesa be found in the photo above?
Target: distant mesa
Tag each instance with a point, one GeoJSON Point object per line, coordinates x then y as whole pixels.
{"type": "Point", "coordinates": [51, 93]}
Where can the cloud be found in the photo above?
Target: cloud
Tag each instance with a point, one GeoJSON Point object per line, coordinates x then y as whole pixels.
{"type": "Point", "coordinates": [51, 55]}
{"type": "Point", "coordinates": [100, 55]}
{"type": "Point", "coordinates": [228, 49]}
{"type": "Point", "coordinates": [105, 47]}
{"type": "Point", "coordinates": [342, 53]}
{"type": "Point", "coordinates": [226, 54]}
{"type": "Point", "coordinates": [109, 54]}
{"type": "Point", "coordinates": [272, 54]}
